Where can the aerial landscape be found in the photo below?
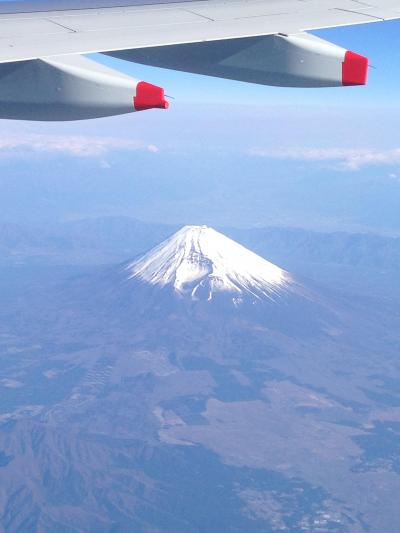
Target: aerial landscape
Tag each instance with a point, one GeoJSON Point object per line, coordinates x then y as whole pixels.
{"type": "Point", "coordinates": [199, 288]}
{"type": "Point", "coordinates": [198, 375]}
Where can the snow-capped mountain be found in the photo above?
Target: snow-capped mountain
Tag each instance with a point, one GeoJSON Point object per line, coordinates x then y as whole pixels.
{"type": "Point", "coordinates": [200, 263]}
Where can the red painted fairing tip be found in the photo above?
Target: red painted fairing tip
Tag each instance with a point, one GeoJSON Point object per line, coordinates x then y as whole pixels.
{"type": "Point", "coordinates": [354, 69]}
{"type": "Point", "coordinates": [149, 96]}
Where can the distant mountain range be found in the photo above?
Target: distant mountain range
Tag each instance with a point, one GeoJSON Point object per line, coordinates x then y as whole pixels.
{"type": "Point", "coordinates": [198, 272]}
{"type": "Point", "coordinates": [113, 239]}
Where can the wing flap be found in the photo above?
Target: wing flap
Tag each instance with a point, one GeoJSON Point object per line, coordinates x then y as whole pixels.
{"type": "Point", "coordinates": [237, 10]}
{"type": "Point", "coordinates": [118, 20]}
{"type": "Point", "coordinates": [16, 29]}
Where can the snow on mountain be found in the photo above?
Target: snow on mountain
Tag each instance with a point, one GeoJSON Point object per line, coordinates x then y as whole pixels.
{"type": "Point", "coordinates": [199, 262]}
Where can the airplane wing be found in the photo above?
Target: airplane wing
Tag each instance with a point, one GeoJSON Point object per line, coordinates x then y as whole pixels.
{"type": "Point", "coordinates": [45, 76]}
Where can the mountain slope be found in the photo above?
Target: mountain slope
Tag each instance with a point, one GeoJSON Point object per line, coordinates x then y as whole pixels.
{"type": "Point", "coordinates": [131, 404]}
{"type": "Point", "coordinates": [199, 262]}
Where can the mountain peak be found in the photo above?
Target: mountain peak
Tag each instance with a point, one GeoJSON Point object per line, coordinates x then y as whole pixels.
{"type": "Point", "coordinates": [199, 262]}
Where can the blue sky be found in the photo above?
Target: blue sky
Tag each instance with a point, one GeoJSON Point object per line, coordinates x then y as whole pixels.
{"type": "Point", "coordinates": [224, 153]}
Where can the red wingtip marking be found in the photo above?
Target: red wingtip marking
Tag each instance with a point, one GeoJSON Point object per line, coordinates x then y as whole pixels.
{"type": "Point", "coordinates": [149, 96]}
{"type": "Point", "coordinates": [354, 69]}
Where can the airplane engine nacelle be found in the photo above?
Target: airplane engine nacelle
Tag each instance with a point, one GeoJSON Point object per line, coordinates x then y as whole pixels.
{"type": "Point", "coordinates": [71, 88]}
{"type": "Point", "coordinates": [300, 60]}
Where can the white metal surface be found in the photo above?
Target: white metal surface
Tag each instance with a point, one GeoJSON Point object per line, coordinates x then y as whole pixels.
{"type": "Point", "coordinates": [300, 60]}
{"type": "Point", "coordinates": [68, 88]}
{"type": "Point", "coordinates": [33, 35]}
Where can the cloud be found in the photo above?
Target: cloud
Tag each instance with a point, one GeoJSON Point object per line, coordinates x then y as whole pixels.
{"type": "Point", "coordinates": [74, 145]}
{"type": "Point", "coordinates": [153, 148]}
{"type": "Point", "coordinates": [347, 158]}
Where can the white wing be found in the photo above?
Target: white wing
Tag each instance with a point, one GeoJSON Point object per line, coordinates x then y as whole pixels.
{"type": "Point", "coordinates": [33, 35]}
{"type": "Point", "coordinates": [261, 41]}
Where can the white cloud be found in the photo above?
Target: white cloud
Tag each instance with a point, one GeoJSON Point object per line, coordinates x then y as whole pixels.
{"type": "Point", "coordinates": [153, 148]}
{"type": "Point", "coordinates": [347, 158]}
{"type": "Point", "coordinates": [75, 145]}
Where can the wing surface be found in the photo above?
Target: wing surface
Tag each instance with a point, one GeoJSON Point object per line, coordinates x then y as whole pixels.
{"type": "Point", "coordinates": [40, 29]}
